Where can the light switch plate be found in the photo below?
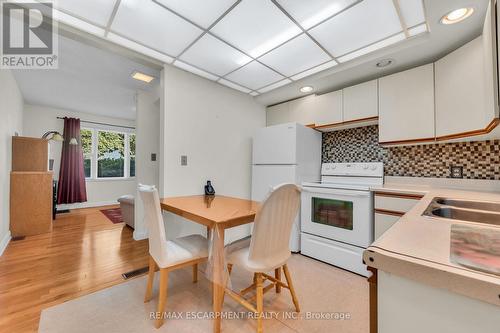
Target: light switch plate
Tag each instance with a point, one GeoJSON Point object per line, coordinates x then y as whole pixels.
{"type": "Point", "coordinates": [153, 157]}
{"type": "Point", "coordinates": [184, 160]}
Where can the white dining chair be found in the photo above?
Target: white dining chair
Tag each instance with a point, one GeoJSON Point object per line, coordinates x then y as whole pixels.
{"type": "Point", "coordinates": [267, 249]}
{"type": "Point", "coordinates": [167, 255]}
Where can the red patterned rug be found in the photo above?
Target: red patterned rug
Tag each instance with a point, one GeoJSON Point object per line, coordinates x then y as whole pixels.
{"type": "Point", "coordinates": [114, 214]}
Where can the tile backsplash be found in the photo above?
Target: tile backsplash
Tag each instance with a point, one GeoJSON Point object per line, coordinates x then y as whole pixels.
{"type": "Point", "coordinates": [479, 159]}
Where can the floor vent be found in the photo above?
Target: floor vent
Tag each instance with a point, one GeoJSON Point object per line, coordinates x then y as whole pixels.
{"type": "Point", "coordinates": [134, 273]}
{"type": "Point", "coordinates": [17, 238]}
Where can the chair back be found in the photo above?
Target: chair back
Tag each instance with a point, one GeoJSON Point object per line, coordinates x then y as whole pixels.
{"type": "Point", "coordinates": [154, 221]}
{"type": "Point", "coordinates": [269, 245]}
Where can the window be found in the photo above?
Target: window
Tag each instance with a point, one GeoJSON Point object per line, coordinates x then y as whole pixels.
{"type": "Point", "coordinates": [108, 153]}
{"type": "Point", "coordinates": [132, 155]}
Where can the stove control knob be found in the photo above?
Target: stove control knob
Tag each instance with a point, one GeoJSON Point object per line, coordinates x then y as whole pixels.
{"type": "Point", "coordinates": [365, 167]}
{"type": "Point", "coordinates": [327, 167]}
{"type": "Point", "coordinates": [374, 167]}
{"type": "Point", "coordinates": [334, 167]}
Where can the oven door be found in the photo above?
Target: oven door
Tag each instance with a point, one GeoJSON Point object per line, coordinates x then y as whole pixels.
{"type": "Point", "coordinates": [339, 214]}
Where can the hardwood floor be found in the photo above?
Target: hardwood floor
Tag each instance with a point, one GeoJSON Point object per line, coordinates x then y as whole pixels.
{"type": "Point", "coordinates": [84, 253]}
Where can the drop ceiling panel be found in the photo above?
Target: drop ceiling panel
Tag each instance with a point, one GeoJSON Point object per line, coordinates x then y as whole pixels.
{"type": "Point", "coordinates": [254, 76]}
{"type": "Point", "coordinates": [314, 70]}
{"type": "Point", "coordinates": [203, 13]}
{"type": "Point", "coordinates": [194, 70]}
{"type": "Point", "coordinates": [95, 11]}
{"type": "Point", "coordinates": [366, 23]}
{"type": "Point", "coordinates": [146, 22]}
{"type": "Point", "coordinates": [295, 56]}
{"type": "Point", "coordinates": [413, 12]}
{"type": "Point", "coordinates": [214, 56]}
{"type": "Point", "coordinates": [256, 26]}
{"type": "Point", "coordinates": [275, 85]}
{"type": "Point", "coordinates": [311, 12]}
{"type": "Point", "coordinates": [234, 86]}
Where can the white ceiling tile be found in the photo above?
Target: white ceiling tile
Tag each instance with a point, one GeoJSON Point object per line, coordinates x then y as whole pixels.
{"type": "Point", "coordinates": [195, 70]}
{"type": "Point", "coordinates": [139, 48]}
{"type": "Point", "coordinates": [78, 23]}
{"type": "Point", "coordinates": [373, 47]}
{"type": "Point", "coordinates": [214, 56]}
{"type": "Point", "coordinates": [275, 85]}
{"type": "Point", "coordinates": [256, 26]}
{"type": "Point", "coordinates": [295, 56]}
{"type": "Point", "coordinates": [203, 13]}
{"type": "Point", "coordinates": [412, 11]}
{"type": "Point", "coordinates": [361, 25]}
{"type": "Point", "coordinates": [153, 26]}
{"type": "Point", "coordinates": [314, 70]}
{"type": "Point", "coordinates": [234, 86]}
{"type": "Point", "coordinates": [418, 29]}
{"type": "Point", "coordinates": [254, 76]}
{"type": "Point", "coordinates": [311, 12]}
{"type": "Point", "coordinates": [95, 11]}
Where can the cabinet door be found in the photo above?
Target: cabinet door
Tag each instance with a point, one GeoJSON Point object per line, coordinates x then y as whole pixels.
{"type": "Point", "coordinates": [327, 109]}
{"type": "Point", "coordinates": [463, 96]}
{"type": "Point", "coordinates": [383, 222]}
{"type": "Point", "coordinates": [361, 101]}
{"type": "Point", "coordinates": [301, 110]}
{"type": "Point", "coordinates": [278, 114]}
{"type": "Point", "coordinates": [406, 106]}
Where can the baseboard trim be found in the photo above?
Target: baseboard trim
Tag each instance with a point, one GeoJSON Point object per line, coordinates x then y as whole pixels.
{"type": "Point", "coordinates": [4, 242]}
{"type": "Point", "coordinates": [87, 205]}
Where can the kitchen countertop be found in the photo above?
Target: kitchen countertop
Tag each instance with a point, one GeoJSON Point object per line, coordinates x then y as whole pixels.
{"type": "Point", "coordinates": [418, 247]}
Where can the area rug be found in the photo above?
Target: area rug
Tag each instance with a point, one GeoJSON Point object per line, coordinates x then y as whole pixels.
{"type": "Point", "coordinates": [324, 291]}
{"type": "Point", "coordinates": [113, 214]}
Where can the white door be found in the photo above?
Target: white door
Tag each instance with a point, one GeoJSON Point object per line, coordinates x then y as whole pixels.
{"type": "Point", "coordinates": [275, 145]}
{"type": "Point", "coordinates": [342, 215]}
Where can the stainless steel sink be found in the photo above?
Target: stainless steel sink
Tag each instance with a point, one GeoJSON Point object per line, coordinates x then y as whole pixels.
{"type": "Point", "coordinates": [465, 210]}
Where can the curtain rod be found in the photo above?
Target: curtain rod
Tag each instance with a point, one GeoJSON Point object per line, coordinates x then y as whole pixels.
{"type": "Point", "coordinates": [96, 123]}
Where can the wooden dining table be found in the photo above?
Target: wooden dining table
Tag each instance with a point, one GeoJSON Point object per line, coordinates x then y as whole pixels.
{"type": "Point", "coordinates": [217, 213]}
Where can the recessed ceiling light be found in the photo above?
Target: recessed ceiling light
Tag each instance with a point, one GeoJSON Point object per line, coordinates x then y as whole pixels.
{"type": "Point", "coordinates": [457, 15]}
{"type": "Point", "coordinates": [142, 77]}
{"type": "Point", "coordinates": [306, 89]}
{"type": "Point", "coordinates": [385, 63]}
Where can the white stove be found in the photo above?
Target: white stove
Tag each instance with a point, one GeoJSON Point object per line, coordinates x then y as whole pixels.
{"type": "Point", "coordinates": [337, 214]}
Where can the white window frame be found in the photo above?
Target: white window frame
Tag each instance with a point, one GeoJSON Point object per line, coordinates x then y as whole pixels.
{"type": "Point", "coordinates": [94, 149]}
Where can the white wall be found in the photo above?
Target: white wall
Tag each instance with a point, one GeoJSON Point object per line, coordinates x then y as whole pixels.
{"type": "Point", "coordinates": [11, 113]}
{"type": "Point", "coordinates": [147, 142]}
{"type": "Point", "coordinates": [212, 125]}
{"type": "Point", "coordinates": [40, 119]}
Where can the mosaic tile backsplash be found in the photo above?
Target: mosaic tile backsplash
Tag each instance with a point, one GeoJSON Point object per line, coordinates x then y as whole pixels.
{"type": "Point", "coordinates": [480, 159]}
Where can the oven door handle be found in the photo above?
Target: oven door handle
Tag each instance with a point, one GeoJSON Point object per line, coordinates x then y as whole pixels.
{"type": "Point", "coordinates": [350, 193]}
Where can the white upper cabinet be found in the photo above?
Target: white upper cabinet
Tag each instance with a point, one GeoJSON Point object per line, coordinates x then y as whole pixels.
{"type": "Point", "coordinates": [302, 110]}
{"type": "Point", "coordinates": [278, 114]}
{"type": "Point", "coordinates": [327, 109]}
{"type": "Point", "coordinates": [406, 105]}
{"type": "Point", "coordinates": [361, 101]}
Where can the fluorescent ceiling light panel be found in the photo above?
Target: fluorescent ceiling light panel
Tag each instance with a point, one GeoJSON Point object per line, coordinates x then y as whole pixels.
{"type": "Point", "coordinates": [234, 86]}
{"type": "Point", "coordinates": [314, 70]}
{"type": "Point", "coordinates": [254, 76]}
{"type": "Point", "coordinates": [419, 29]}
{"type": "Point", "coordinates": [295, 56]}
{"type": "Point", "coordinates": [311, 12]}
{"type": "Point", "coordinates": [139, 48]}
{"type": "Point", "coordinates": [255, 27]}
{"type": "Point", "coordinates": [373, 47]}
{"type": "Point", "coordinates": [203, 12]}
{"type": "Point", "coordinates": [95, 11]}
{"type": "Point", "coordinates": [195, 70]}
{"type": "Point", "coordinates": [142, 77]}
{"type": "Point", "coordinates": [275, 85]}
{"type": "Point", "coordinates": [412, 11]}
{"type": "Point", "coordinates": [146, 22]}
{"type": "Point", "coordinates": [363, 24]}
{"type": "Point", "coordinates": [215, 56]}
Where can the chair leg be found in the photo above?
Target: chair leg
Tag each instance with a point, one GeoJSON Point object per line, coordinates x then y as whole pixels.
{"type": "Point", "coordinates": [151, 276]}
{"type": "Point", "coordinates": [290, 286]}
{"type": "Point", "coordinates": [260, 302]}
{"type": "Point", "coordinates": [195, 273]}
{"type": "Point", "coordinates": [163, 296]}
{"type": "Point", "coordinates": [277, 275]}
{"type": "Point", "coordinates": [229, 268]}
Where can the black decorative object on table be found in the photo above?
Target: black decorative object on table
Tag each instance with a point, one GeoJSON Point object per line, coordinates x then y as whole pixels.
{"type": "Point", "coordinates": [209, 189]}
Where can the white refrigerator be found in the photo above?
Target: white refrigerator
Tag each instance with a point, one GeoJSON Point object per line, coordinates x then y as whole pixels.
{"type": "Point", "coordinates": [286, 153]}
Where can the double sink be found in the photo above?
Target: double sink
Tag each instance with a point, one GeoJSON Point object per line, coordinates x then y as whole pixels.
{"type": "Point", "coordinates": [465, 210]}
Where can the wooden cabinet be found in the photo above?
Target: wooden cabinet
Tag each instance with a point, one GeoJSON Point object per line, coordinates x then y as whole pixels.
{"type": "Point", "coordinates": [464, 98]}
{"type": "Point", "coordinates": [278, 114]}
{"type": "Point", "coordinates": [406, 106]}
{"type": "Point", "coordinates": [361, 101]}
{"type": "Point", "coordinates": [327, 109]}
{"type": "Point", "coordinates": [30, 154]}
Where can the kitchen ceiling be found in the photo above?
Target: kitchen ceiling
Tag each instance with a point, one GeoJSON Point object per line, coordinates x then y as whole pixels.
{"type": "Point", "coordinates": [254, 46]}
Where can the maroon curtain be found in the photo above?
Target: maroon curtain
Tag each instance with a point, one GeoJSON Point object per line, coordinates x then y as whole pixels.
{"type": "Point", "coordinates": [71, 175]}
